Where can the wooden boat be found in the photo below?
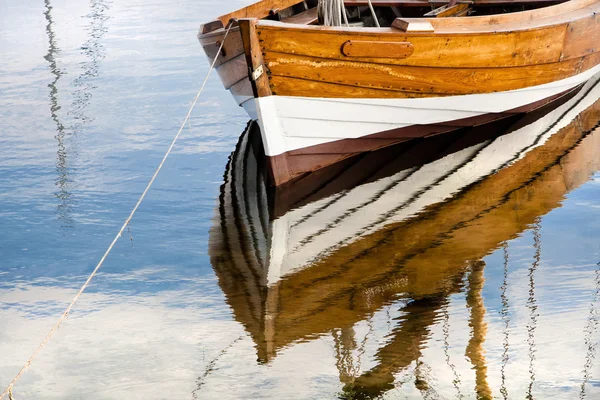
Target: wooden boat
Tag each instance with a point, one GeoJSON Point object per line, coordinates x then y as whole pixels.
{"type": "Point", "coordinates": [322, 94]}
{"type": "Point", "coordinates": [412, 230]}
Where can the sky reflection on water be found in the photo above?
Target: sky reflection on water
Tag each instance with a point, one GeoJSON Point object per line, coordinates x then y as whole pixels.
{"type": "Point", "coordinates": [497, 292]}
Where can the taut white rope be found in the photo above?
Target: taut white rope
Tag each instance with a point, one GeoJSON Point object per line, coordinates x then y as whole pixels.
{"type": "Point", "coordinates": [9, 388]}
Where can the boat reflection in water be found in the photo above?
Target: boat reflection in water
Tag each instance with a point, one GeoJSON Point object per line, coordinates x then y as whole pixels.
{"type": "Point", "coordinates": [402, 228]}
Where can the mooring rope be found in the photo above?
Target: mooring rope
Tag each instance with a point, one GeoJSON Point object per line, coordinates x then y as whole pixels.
{"type": "Point", "coordinates": [9, 388]}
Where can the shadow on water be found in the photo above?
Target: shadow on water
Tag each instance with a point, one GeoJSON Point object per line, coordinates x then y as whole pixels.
{"type": "Point", "coordinates": [405, 227]}
{"type": "Point", "coordinates": [66, 136]}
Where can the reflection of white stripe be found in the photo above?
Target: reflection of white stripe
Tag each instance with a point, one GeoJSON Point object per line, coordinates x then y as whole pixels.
{"type": "Point", "coordinates": [370, 207]}
{"type": "Point", "coordinates": [290, 123]}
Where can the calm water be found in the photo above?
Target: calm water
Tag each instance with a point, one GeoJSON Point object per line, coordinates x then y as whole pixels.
{"type": "Point", "coordinates": [467, 267]}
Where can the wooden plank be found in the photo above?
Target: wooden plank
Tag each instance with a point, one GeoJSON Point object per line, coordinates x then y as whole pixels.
{"type": "Point", "coordinates": [456, 10]}
{"type": "Point", "coordinates": [412, 25]}
{"type": "Point", "coordinates": [279, 170]}
{"type": "Point", "coordinates": [211, 26]}
{"type": "Point", "coordinates": [260, 9]}
{"type": "Point", "coordinates": [232, 48]}
{"type": "Point", "coordinates": [308, 17]}
{"type": "Point", "coordinates": [261, 87]}
{"type": "Point", "coordinates": [502, 49]}
{"type": "Point", "coordinates": [233, 71]}
{"type": "Point", "coordinates": [290, 86]}
{"type": "Point", "coordinates": [377, 49]}
{"type": "Point", "coordinates": [493, 22]}
{"type": "Point", "coordinates": [582, 38]}
{"type": "Point", "coordinates": [242, 88]}
{"type": "Point", "coordinates": [254, 58]}
{"type": "Point", "coordinates": [412, 81]}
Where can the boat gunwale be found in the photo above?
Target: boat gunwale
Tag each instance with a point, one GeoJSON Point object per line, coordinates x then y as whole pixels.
{"type": "Point", "coordinates": [443, 27]}
{"type": "Point", "coordinates": [563, 13]}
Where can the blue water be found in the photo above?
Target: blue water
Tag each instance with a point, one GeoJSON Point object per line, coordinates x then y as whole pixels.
{"type": "Point", "coordinates": [91, 94]}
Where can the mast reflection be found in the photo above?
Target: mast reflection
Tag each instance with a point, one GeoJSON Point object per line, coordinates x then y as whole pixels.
{"type": "Point", "coordinates": [475, 352]}
{"type": "Point", "coordinates": [63, 180]}
{"type": "Point", "coordinates": [94, 52]}
{"type": "Point", "coordinates": [67, 135]}
{"type": "Point", "coordinates": [406, 227]}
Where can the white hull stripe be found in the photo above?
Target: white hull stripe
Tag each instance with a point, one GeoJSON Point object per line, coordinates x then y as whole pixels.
{"type": "Point", "coordinates": [290, 123]}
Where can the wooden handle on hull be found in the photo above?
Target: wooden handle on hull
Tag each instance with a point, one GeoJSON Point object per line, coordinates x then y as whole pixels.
{"type": "Point", "coordinates": [376, 49]}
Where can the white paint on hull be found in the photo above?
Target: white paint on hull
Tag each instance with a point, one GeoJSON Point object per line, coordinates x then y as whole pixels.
{"type": "Point", "coordinates": [290, 123]}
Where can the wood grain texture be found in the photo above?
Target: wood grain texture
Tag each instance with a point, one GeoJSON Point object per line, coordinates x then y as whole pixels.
{"type": "Point", "coordinates": [377, 49]}
{"type": "Point", "coordinates": [242, 88]}
{"type": "Point", "coordinates": [233, 71]}
{"type": "Point", "coordinates": [468, 50]}
{"type": "Point", "coordinates": [260, 9]}
{"type": "Point", "coordinates": [457, 10]}
{"type": "Point", "coordinates": [407, 81]}
{"type": "Point", "coordinates": [484, 54]}
{"type": "Point", "coordinates": [211, 26]}
{"type": "Point", "coordinates": [308, 17]}
{"type": "Point", "coordinates": [232, 47]}
{"type": "Point", "coordinates": [412, 25]}
{"type": "Point", "coordinates": [531, 16]}
{"type": "Point", "coordinates": [279, 170]}
{"type": "Point", "coordinates": [583, 37]}
{"type": "Point", "coordinates": [254, 57]}
{"type": "Point", "coordinates": [508, 56]}
{"type": "Point", "coordinates": [283, 85]}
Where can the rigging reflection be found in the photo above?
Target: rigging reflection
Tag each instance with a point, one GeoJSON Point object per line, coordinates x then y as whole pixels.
{"type": "Point", "coordinates": [591, 328]}
{"type": "Point", "coordinates": [532, 305]}
{"type": "Point", "coordinates": [505, 312]}
{"type": "Point", "coordinates": [404, 227]}
{"type": "Point", "coordinates": [456, 382]}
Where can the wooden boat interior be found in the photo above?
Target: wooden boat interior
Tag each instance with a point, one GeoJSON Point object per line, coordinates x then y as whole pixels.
{"type": "Point", "coordinates": [390, 13]}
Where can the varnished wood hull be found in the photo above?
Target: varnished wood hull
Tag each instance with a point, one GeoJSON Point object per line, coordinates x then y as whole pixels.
{"type": "Point", "coordinates": [323, 94]}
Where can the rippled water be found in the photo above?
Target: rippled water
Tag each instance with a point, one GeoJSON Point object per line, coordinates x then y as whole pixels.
{"type": "Point", "coordinates": [465, 266]}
